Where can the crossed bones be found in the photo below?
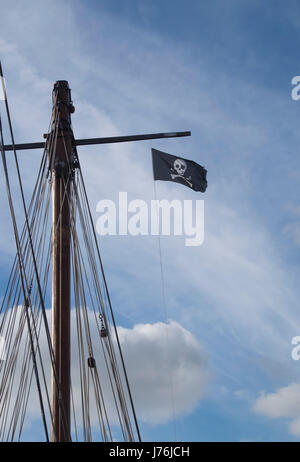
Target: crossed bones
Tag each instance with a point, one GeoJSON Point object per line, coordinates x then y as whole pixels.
{"type": "Point", "coordinates": [176, 175]}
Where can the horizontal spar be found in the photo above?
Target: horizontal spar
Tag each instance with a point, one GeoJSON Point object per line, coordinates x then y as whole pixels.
{"type": "Point", "coordinates": [107, 140]}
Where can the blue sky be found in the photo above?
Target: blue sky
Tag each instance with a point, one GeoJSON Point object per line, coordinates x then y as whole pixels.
{"type": "Point", "coordinates": [222, 70]}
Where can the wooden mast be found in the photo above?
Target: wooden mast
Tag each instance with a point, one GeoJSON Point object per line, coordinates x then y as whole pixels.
{"type": "Point", "coordinates": [61, 234]}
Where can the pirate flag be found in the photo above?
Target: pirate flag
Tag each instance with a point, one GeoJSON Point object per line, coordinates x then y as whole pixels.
{"type": "Point", "coordinates": [171, 168]}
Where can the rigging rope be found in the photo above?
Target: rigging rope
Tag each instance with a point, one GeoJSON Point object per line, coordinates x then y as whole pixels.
{"type": "Point", "coordinates": [100, 357]}
{"type": "Point", "coordinates": [24, 282]}
{"type": "Point", "coordinates": [29, 236]}
{"type": "Point", "coordinates": [164, 304]}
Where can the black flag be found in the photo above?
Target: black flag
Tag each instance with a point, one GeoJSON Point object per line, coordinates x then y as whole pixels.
{"type": "Point", "coordinates": [171, 168]}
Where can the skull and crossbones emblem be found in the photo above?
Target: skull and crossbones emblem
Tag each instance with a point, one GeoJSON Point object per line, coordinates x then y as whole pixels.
{"type": "Point", "coordinates": [179, 170]}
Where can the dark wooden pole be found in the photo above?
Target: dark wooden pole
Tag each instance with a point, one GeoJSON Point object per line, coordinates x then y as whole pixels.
{"type": "Point", "coordinates": [61, 264]}
{"type": "Point", "coordinates": [106, 140]}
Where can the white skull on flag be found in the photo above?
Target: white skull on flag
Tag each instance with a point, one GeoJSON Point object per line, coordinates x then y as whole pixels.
{"type": "Point", "coordinates": [180, 166]}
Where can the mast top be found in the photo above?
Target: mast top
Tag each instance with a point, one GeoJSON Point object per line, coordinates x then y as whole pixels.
{"type": "Point", "coordinates": [61, 83]}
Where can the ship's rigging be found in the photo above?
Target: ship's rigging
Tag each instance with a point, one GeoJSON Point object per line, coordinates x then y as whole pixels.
{"type": "Point", "coordinates": [88, 398]}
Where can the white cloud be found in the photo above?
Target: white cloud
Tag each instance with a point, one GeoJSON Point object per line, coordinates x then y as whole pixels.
{"type": "Point", "coordinates": [283, 403]}
{"type": "Point", "coordinates": [166, 366]}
